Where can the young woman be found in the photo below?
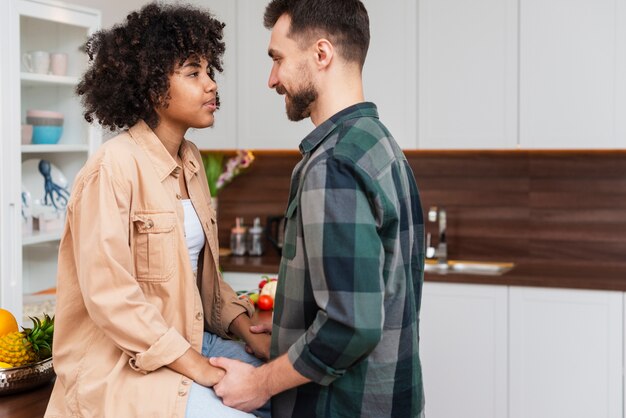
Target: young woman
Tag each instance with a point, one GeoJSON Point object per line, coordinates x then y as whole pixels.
{"type": "Point", "coordinates": [140, 301]}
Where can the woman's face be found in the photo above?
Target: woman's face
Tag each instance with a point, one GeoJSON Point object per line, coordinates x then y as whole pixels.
{"type": "Point", "coordinates": [192, 96]}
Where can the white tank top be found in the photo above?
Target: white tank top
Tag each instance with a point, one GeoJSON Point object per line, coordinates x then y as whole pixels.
{"type": "Point", "coordinates": [194, 235]}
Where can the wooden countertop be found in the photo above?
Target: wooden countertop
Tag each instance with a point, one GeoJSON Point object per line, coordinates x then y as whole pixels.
{"type": "Point", "coordinates": [603, 276]}
{"type": "Point", "coordinates": [33, 403]}
{"type": "Point", "coordinates": [30, 404]}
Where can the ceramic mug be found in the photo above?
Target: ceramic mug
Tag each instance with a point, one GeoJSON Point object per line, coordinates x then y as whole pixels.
{"type": "Point", "coordinates": [37, 61]}
{"type": "Point", "coordinates": [58, 63]}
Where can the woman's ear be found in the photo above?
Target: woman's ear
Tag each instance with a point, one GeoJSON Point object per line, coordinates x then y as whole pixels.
{"type": "Point", "coordinates": [324, 53]}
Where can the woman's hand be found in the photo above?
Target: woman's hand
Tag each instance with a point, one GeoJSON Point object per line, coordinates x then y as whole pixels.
{"type": "Point", "coordinates": [198, 368]}
{"type": "Point", "coordinates": [257, 337]}
{"type": "Point", "coordinates": [259, 341]}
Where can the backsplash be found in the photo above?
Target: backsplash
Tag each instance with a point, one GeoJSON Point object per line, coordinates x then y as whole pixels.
{"type": "Point", "coordinates": [566, 206]}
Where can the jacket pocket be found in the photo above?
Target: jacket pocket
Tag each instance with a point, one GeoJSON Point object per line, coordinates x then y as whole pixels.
{"type": "Point", "coordinates": [155, 245]}
{"type": "Point", "coordinates": [291, 231]}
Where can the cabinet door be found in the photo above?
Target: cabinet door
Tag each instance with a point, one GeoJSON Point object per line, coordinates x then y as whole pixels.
{"type": "Point", "coordinates": [572, 83]}
{"type": "Point", "coordinates": [467, 74]}
{"type": "Point", "coordinates": [244, 281]}
{"type": "Point", "coordinates": [388, 77]}
{"type": "Point", "coordinates": [223, 133]}
{"type": "Point", "coordinates": [463, 348]}
{"type": "Point", "coordinates": [565, 353]}
{"type": "Point", "coordinates": [389, 73]}
{"type": "Point", "coordinates": [262, 121]}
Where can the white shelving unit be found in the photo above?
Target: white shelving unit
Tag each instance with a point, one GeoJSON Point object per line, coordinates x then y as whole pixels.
{"type": "Point", "coordinates": [28, 261]}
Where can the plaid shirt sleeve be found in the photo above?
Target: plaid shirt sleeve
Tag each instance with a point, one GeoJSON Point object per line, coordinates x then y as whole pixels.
{"type": "Point", "coordinates": [345, 260]}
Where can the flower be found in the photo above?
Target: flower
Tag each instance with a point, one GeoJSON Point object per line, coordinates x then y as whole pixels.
{"type": "Point", "coordinates": [213, 165]}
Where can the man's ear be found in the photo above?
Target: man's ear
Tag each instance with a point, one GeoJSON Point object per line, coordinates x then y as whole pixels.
{"type": "Point", "coordinates": [324, 53]}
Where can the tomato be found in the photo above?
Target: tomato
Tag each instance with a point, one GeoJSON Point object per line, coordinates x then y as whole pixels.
{"type": "Point", "coordinates": [265, 302]}
{"type": "Point", "coordinates": [262, 283]}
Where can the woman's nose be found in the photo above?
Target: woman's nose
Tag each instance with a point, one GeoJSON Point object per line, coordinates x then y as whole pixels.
{"type": "Point", "coordinates": [210, 84]}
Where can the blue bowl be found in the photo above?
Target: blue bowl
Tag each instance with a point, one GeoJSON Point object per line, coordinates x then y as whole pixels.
{"type": "Point", "coordinates": [46, 134]}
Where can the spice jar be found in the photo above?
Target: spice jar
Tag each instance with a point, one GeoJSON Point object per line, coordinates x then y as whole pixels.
{"type": "Point", "coordinates": [255, 238]}
{"type": "Point", "coordinates": [238, 238]}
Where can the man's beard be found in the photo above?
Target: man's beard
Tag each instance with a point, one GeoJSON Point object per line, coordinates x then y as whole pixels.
{"type": "Point", "coordinates": [298, 104]}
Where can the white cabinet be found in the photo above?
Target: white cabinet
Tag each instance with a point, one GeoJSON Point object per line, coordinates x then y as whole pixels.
{"type": "Point", "coordinates": [389, 74]}
{"type": "Point", "coordinates": [28, 260]}
{"type": "Point", "coordinates": [467, 74]}
{"type": "Point", "coordinates": [245, 281]}
{"type": "Point", "coordinates": [463, 349]}
{"type": "Point", "coordinates": [572, 84]}
{"type": "Point", "coordinates": [262, 121]}
{"type": "Point", "coordinates": [223, 133]}
{"type": "Point", "coordinates": [566, 353]}
{"type": "Point", "coordinates": [389, 77]}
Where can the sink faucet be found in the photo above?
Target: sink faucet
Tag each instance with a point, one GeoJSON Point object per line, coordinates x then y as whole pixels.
{"type": "Point", "coordinates": [441, 252]}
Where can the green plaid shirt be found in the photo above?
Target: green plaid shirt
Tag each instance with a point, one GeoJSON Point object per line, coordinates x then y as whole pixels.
{"type": "Point", "coordinates": [350, 280]}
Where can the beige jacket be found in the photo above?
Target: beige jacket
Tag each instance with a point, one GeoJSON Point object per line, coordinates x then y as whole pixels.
{"type": "Point", "coordinates": [127, 300]}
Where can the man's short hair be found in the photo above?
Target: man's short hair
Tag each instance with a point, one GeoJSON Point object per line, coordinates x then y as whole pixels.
{"type": "Point", "coordinates": [345, 23]}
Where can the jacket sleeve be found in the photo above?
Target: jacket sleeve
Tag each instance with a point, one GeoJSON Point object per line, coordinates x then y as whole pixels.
{"type": "Point", "coordinates": [98, 217]}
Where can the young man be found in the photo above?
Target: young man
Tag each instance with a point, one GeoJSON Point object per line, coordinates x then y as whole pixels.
{"type": "Point", "coordinates": [346, 328]}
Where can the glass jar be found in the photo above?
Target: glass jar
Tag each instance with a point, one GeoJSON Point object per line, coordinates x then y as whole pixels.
{"type": "Point", "coordinates": [238, 238]}
{"type": "Point", "coordinates": [255, 238]}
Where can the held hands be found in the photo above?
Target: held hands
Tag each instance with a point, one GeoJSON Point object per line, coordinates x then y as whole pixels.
{"type": "Point", "coordinates": [242, 387]}
{"type": "Point", "coordinates": [198, 368]}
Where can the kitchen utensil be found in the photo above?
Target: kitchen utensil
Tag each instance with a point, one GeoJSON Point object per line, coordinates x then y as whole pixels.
{"type": "Point", "coordinates": [18, 379]}
{"type": "Point", "coordinates": [275, 231]}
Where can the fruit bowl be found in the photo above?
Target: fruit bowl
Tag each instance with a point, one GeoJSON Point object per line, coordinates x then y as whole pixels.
{"type": "Point", "coordinates": [18, 379]}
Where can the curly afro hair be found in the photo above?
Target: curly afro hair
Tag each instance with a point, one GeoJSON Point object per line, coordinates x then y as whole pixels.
{"type": "Point", "coordinates": [130, 63]}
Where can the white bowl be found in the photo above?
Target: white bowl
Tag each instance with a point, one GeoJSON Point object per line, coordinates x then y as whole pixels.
{"type": "Point", "coordinates": [44, 114]}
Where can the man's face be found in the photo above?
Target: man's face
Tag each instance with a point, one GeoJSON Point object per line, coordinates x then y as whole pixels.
{"type": "Point", "coordinates": [291, 75]}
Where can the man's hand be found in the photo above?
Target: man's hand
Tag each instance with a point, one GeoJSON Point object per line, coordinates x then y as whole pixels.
{"type": "Point", "coordinates": [259, 340]}
{"type": "Point", "coordinates": [243, 387]}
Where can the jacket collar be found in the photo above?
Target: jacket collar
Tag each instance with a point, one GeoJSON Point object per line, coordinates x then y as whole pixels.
{"type": "Point", "coordinates": [161, 159]}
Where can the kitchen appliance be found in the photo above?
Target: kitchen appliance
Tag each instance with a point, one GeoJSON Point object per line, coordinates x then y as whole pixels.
{"type": "Point", "coordinates": [275, 231]}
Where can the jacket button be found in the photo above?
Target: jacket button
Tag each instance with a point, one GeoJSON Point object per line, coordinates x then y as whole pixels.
{"type": "Point", "coordinates": [149, 224]}
{"type": "Point", "coordinates": [179, 197]}
{"type": "Point", "coordinates": [199, 316]}
{"type": "Point", "coordinates": [182, 392]}
{"type": "Point", "coordinates": [185, 382]}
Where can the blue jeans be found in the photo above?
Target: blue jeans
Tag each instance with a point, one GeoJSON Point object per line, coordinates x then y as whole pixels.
{"type": "Point", "coordinates": [203, 402]}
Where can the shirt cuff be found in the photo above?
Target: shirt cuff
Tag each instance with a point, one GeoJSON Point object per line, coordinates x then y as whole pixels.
{"type": "Point", "coordinates": [232, 310]}
{"type": "Point", "coordinates": [309, 366]}
{"type": "Point", "coordinates": [169, 347]}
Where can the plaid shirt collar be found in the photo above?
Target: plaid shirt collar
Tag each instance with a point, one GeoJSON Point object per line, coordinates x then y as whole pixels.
{"type": "Point", "coordinates": [317, 136]}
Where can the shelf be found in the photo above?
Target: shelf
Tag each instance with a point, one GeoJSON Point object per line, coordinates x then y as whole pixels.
{"type": "Point", "coordinates": [32, 79]}
{"type": "Point", "coordinates": [36, 148]}
{"type": "Point", "coordinates": [38, 237]}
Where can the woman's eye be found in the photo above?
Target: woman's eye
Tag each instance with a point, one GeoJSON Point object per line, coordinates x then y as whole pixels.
{"type": "Point", "coordinates": [194, 74]}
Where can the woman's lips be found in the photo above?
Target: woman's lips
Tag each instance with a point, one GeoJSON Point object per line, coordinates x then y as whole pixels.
{"type": "Point", "coordinates": [211, 105]}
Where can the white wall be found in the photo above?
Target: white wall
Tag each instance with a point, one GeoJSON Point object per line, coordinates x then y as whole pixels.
{"type": "Point", "coordinates": [113, 11]}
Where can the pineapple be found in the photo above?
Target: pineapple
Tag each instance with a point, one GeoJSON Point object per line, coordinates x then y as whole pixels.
{"type": "Point", "coordinates": [30, 345]}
